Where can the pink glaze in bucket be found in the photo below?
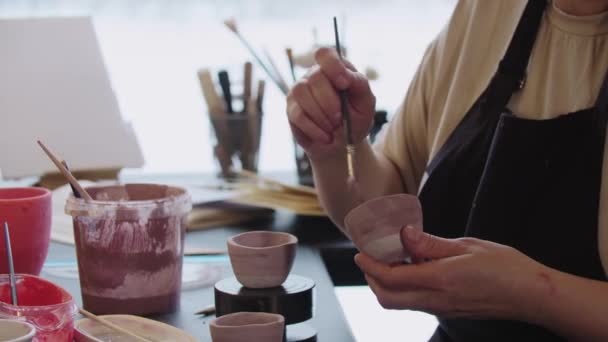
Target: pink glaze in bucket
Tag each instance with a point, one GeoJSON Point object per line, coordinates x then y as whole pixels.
{"type": "Point", "coordinates": [46, 306]}
{"type": "Point", "coordinates": [130, 244]}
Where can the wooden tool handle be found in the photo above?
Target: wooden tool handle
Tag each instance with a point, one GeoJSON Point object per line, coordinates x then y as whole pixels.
{"type": "Point", "coordinates": [112, 326]}
{"type": "Point", "coordinates": [215, 105]}
{"type": "Point", "coordinates": [260, 100]}
{"type": "Point", "coordinates": [67, 174]}
{"type": "Point", "coordinates": [247, 79]}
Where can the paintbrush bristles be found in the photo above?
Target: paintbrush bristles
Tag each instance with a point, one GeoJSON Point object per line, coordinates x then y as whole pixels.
{"type": "Point", "coordinates": [231, 25]}
{"type": "Point", "coordinates": [350, 155]}
{"type": "Point", "coordinates": [289, 53]}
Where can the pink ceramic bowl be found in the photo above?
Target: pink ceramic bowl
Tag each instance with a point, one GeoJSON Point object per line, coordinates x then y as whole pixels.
{"type": "Point", "coordinates": [248, 326]}
{"type": "Point", "coordinates": [375, 225]}
{"type": "Point", "coordinates": [262, 259]}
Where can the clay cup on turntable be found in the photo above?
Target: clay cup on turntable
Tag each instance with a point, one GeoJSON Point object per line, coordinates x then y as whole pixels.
{"type": "Point", "coordinates": [375, 226]}
{"type": "Point", "coordinates": [262, 259]}
{"type": "Point", "coordinates": [248, 326]}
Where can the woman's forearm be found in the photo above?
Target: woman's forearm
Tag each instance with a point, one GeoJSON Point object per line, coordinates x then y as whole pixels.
{"type": "Point", "coordinates": [574, 307]}
{"type": "Point", "coordinates": [375, 176]}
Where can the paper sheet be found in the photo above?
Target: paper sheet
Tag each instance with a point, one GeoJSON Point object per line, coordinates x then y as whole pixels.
{"type": "Point", "coordinates": [54, 86]}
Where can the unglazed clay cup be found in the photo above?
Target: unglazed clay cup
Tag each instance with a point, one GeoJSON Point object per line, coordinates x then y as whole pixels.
{"type": "Point", "coordinates": [16, 331]}
{"type": "Point", "coordinates": [262, 259]}
{"type": "Point", "coordinates": [375, 226]}
{"type": "Point", "coordinates": [248, 326]}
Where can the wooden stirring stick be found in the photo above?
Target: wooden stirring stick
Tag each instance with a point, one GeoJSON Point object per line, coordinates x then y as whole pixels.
{"type": "Point", "coordinates": [74, 190]}
{"type": "Point", "coordinates": [111, 325]}
{"type": "Point", "coordinates": [11, 268]}
{"type": "Point", "coordinates": [67, 174]}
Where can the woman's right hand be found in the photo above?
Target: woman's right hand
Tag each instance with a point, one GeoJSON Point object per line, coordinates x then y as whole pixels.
{"type": "Point", "coordinates": [313, 106]}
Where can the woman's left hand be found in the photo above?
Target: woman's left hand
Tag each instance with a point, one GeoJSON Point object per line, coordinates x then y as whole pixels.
{"type": "Point", "coordinates": [465, 278]}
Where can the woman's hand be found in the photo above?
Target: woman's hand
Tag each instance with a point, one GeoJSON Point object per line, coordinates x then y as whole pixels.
{"type": "Point", "coordinates": [465, 278]}
{"type": "Point", "coordinates": [313, 106]}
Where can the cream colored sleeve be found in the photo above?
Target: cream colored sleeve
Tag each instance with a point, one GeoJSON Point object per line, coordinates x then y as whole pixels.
{"type": "Point", "coordinates": [410, 135]}
{"type": "Point", "coordinates": [405, 141]}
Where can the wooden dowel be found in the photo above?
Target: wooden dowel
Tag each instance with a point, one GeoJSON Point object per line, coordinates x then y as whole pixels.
{"type": "Point", "coordinates": [214, 102]}
{"type": "Point", "coordinates": [247, 79]}
{"type": "Point", "coordinates": [111, 325]}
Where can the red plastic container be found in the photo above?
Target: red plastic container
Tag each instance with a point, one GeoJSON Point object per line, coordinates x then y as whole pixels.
{"type": "Point", "coordinates": [28, 213]}
{"type": "Point", "coordinates": [43, 304]}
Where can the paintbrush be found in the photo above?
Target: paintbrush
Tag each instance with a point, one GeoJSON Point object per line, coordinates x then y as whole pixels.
{"type": "Point", "coordinates": [231, 25]}
{"type": "Point", "coordinates": [111, 325]}
{"type": "Point", "coordinates": [11, 268]}
{"type": "Point", "coordinates": [206, 311]}
{"type": "Point", "coordinates": [66, 173]}
{"type": "Point", "coordinates": [350, 147]}
{"type": "Point", "coordinates": [260, 98]}
{"type": "Point", "coordinates": [289, 54]}
{"type": "Point", "coordinates": [225, 85]}
{"type": "Point", "coordinates": [276, 71]}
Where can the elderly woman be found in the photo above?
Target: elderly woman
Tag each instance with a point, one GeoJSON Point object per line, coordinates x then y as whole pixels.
{"type": "Point", "coordinates": [501, 135]}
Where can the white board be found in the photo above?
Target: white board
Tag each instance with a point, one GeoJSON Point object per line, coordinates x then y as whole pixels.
{"type": "Point", "coordinates": [54, 86]}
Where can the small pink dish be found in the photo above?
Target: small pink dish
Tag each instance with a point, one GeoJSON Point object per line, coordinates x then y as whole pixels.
{"type": "Point", "coordinates": [16, 331]}
{"type": "Point", "coordinates": [248, 326]}
{"type": "Point", "coordinates": [87, 330]}
{"type": "Point", "coordinates": [375, 225]}
{"type": "Point", "coordinates": [262, 259]}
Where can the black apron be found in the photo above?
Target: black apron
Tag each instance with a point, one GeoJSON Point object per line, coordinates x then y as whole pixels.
{"type": "Point", "coordinates": [530, 184]}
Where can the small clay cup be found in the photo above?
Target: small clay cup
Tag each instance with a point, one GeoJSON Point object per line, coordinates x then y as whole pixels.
{"type": "Point", "coordinates": [16, 331]}
{"type": "Point", "coordinates": [262, 259]}
{"type": "Point", "coordinates": [248, 326]}
{"type": "Point", "coordinates": [375, 226]}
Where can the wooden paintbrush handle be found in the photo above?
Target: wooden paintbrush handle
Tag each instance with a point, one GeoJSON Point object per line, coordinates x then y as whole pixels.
{"type": "Point", "coordinates": [215, 104]}
{"type": "Point", "coordinates": [67, 174]}
{"type": "Point", "coordinates": [247, 79]}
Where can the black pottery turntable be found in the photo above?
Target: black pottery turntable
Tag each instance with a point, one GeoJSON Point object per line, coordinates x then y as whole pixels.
{"type": "Point", "coordinates": [294, 299]}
